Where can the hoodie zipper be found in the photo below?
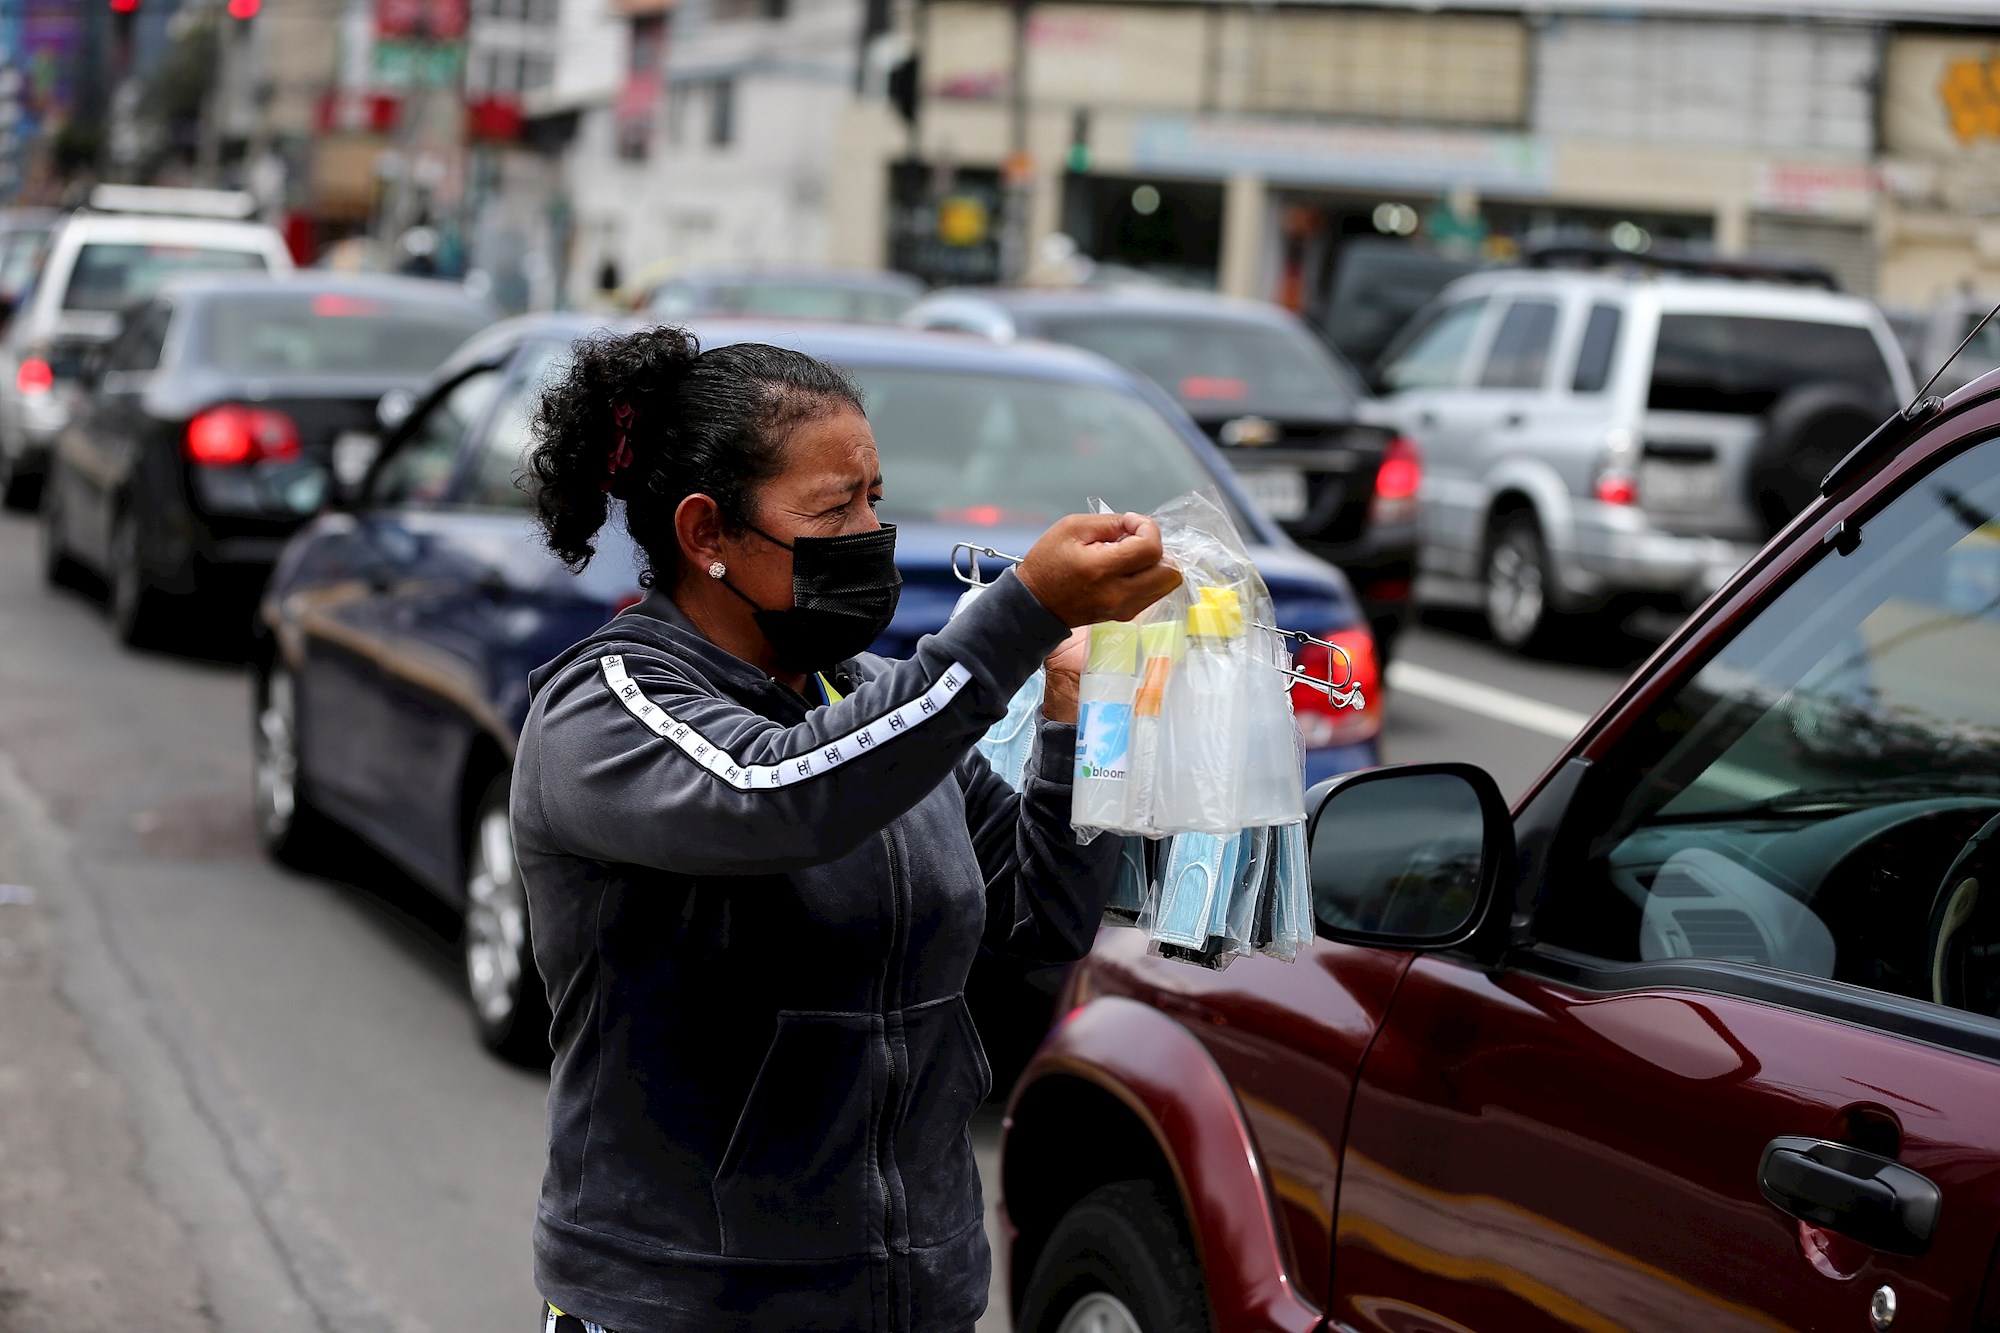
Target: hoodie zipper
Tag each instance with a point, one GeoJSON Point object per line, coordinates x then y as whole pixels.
{"type": "Point", "coordinates": [892, 990]}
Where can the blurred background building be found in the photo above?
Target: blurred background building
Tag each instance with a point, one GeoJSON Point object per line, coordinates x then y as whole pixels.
{"type": "Point", "coordinates": [577, 151]}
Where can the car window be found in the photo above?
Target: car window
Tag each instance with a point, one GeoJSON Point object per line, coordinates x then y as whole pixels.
{"type": "Point", "coordinates": [117, 277]}
{"type": "Point", "coordinates": [1797, 801]}
{"type": "Point", "coordinates": [1741, 364]}
{"type": "Point", "coordinates": [807, 300]}
{"type": "Point", "coordinates": [138, 348]}
{"type": "Point", "coordinates": [419, 470]}
{"type": "Point", "coordinates": [1210, 363]}
{"type": "Point", "coordinates": [331, 333]}
{"type": "Point", "coordinates": [989, 450]}
{"type": "Point", "coordinates": [1600, 345]}
{"type": "Point", "coordinates": [494, 481]}
{"type": "Point", "coordinates": [1519, 357]}
{"type": "Point", "coordinates": [21, 252]}
{"type": "Point", "coordinates": [1435, 354]}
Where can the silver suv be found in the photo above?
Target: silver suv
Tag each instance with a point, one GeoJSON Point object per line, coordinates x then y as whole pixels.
{"type": "Point", "coordinates": [1596, 439]}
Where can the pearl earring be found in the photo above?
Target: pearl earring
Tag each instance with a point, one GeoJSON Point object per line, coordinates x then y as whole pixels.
{"type": "Point", "coordinates": [716, 569]}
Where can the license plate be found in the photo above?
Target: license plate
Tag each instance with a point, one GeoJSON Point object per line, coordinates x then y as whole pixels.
{"type": "Point", "coordinates": [1279, 492]}
{"type": "Point", "coordinates": [1676, 485]}
{"type": "Point", "coordinates": [353, 451]}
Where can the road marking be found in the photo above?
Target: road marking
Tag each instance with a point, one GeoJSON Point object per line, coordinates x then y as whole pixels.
{"type": "Point", "coordinates": [1516, 710]}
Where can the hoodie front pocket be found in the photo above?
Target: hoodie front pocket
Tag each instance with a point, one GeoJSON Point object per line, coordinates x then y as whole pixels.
{"type": "Point", "coordinates": [949, 1078]}
{"type": "Point", "coordinates": [794, 1180]}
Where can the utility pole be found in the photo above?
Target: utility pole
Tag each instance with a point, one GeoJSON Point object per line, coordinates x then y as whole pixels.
{"type": "Point", "coordinates": [1018, 173]}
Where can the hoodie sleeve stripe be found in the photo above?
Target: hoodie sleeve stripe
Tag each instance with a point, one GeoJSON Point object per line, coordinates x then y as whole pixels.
{"type": "Point", "coordinates": [824, 759]}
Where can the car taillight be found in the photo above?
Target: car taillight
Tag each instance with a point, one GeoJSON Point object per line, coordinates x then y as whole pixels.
{"type": "Point", "coordinates": [1397, 482]}
{"type": "Point", "coordinates": [231, 435]}
{"type": "Point", "coordinates": [1617, 488]}
{"type": "Point", "coordinates": [1320, 723]}
{"type": "Point", "coordinates": [34, 376]}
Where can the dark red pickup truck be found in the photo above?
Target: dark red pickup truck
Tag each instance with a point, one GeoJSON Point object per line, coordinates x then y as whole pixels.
{"type": "Point", "coordinates": [1703, 1035]}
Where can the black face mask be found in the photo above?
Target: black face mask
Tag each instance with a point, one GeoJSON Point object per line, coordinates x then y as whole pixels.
{"type": "Point", "coordinates": [844, 594]}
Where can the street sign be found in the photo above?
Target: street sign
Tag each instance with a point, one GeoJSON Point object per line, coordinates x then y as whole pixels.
{"type": "Point", "coordinates": [405, 64]}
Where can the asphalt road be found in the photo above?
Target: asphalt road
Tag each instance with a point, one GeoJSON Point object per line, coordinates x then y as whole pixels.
{"type": "Point", "coordinates": [232, 1097]}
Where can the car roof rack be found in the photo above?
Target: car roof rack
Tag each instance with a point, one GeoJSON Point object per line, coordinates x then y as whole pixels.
{"type": "Point", "coordinates": [1590, 253]}
{"type": "Point", "coordinates": [173, 201]}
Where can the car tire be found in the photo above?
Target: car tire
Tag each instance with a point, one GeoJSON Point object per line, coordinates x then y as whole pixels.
{"type": "Point", "coordinates": [1515, 585]}
{"type": "Point", "coordinates": [510, 1009]}
{"type": "Point", "coordinates": [292, 830]}
{"type": "Point", "coordinates": [1118, 1262]}
{"type": "Point", "coordinates": [59, 567]}
{"type": "Point", "coordinates": [138, 608]}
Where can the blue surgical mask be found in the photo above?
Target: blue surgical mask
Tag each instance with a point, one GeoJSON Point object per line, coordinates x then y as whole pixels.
{"type": "Point", "coordinates": [1009, 744]}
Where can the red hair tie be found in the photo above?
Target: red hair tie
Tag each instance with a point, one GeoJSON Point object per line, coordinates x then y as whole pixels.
{"type": "Point", "coordinates": [621, 453]}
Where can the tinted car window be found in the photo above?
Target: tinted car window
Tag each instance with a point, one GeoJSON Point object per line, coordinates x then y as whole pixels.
{"type": "Point", "coordinates": [802, 300]}
{"type": "Point", "coordinates": [989, 449]}
{"type": "Point", "coordinates": [1216, 363]}
{"type": "Point", "coordinates": [1434, 354]}
{"type": "Point", "coordinates": [21, 252]}
{"type": "Point", "coordinates": [118, 277]}
{"type": "Point", "coordinates": [1519, 357]}
{"type": "Point", "coordinates": [1741, 364]}
{"type": "Point", "coordinates": [419, 471]}
{"type": "Point", "coordinates": [495, 481]}
{"type": "Point", "coordinates": [328, 333]}
{"type": "Point", "coordinates": [1600, 345]}
{"type": "Point", "coordinates": [1797, 801]}
{"type": "Point", "coordinates": [138, 348]}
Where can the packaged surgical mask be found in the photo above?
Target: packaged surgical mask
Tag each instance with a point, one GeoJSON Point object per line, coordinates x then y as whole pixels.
{"type": "Point", "coordinates": [1292, 925]}
{"type": "Point", "coordinates": [1201, 868]}
{"type": "Point", "coordinates": [1128, 896]}
{"type": "Point", "coordinates": [1009, 744]}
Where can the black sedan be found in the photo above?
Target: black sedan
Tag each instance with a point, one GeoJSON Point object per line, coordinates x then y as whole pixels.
{"type": "Point", "coordinates": [1286, 411]}
{"type": "Point", "coordinates": [221, 418]}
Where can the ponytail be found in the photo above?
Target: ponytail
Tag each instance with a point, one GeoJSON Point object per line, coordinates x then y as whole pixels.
{"type": "Point", "coordinates": [649, 418]}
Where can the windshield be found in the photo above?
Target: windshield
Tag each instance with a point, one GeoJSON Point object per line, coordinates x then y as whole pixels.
{"type": "Point", "coordinates": [118, 277]}
{"type": "Point", "coordinates": [332, 334]}
{"type": "Point", "coordinates": [1741, 365]}
{"type": "Point", "coordinates": [992, 450]}
{"type": "Point", "coordinates": [788, 300]}
{"type": "Point", "coordinates": [1217, 365]}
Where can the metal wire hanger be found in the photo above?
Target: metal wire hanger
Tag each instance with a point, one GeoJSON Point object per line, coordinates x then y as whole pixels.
{"type": "Point", "coordinates": [1341, 694]}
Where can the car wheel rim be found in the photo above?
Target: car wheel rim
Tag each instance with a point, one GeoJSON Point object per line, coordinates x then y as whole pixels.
{"type": "Point", "coordinates": [1513, 591]}
{"type": "Point", "coordinates": [1099, 1312]}
{"type": "Point", "coordinates": [496, 920]}
{"type": "Point", "coordinates": [277, 756]}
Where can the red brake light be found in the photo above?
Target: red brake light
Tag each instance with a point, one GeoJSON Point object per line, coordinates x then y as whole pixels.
{"type": "Point", "coordinates": [1618, 488]}
{"type": "Point", "coordinates": [231, 435]}
{"type": "Point", "coordinates": [1397, 481]}
{"type": "Point", "coordinates": [1320, 723]}
{"type": "Point", "coordinates": [339, 305]}
{"type": "Point", "coordinates": [34, 376]}
{"type": "Point", "coordinates": [1213, 386]}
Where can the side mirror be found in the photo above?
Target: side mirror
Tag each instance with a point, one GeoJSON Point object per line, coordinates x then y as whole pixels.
{"type": "Point", "coordinates": [1412, 856]}
{"type": "Point", "coordinates": [393, 409]}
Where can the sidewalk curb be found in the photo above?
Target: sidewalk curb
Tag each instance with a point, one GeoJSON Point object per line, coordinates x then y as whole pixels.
{"type": "Point", "coordinates": [265, 1269]}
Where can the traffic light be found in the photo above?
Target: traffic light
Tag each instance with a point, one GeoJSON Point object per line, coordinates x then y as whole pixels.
{"type": "Point", "coordinates": [124, 6]}
{"type": "Point", "coordinates": [244, 10]}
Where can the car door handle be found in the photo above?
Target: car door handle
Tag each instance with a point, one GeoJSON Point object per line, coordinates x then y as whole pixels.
{"type": "Point", "coordinates": [1427, 419]}
{"type": "Point", "coordinates": [492, 584]}
{"type": "Point", "coordinates": [1514, 420]}
{"type": "Point", "coordinates": [1875, 1200]}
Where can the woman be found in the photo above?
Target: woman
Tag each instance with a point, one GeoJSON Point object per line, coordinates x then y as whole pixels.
{"type": "Point", "coordinates": [759, 862]}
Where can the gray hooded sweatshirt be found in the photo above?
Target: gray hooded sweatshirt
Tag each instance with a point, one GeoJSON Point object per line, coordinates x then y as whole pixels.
{"type": "Point", "coordinates": [755, 917]}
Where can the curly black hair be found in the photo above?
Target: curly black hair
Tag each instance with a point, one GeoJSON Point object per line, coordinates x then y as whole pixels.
{"type": "Point", "coordinates": [697, 422]}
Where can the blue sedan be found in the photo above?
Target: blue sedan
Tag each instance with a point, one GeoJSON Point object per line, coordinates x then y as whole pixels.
{"type": "Point", "coordinates": [396, 635]}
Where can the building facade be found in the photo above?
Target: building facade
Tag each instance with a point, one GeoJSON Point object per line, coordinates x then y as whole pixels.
{"type": "Point", "coordinates": [1241, 146]}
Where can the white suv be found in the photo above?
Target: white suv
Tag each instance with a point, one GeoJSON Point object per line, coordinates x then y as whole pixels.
{"type": "Point", "coordinates": [101, 264]}
{"type": "Point", "coordinates": [1596, 438]}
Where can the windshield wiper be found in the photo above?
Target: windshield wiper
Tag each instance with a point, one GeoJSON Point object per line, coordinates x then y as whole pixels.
{"type": "Point", "coordinates": [1840, 797]}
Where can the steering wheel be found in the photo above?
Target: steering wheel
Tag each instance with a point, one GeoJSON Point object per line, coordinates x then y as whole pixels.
{"type": "Point", "coordinates": [1965, 927]}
